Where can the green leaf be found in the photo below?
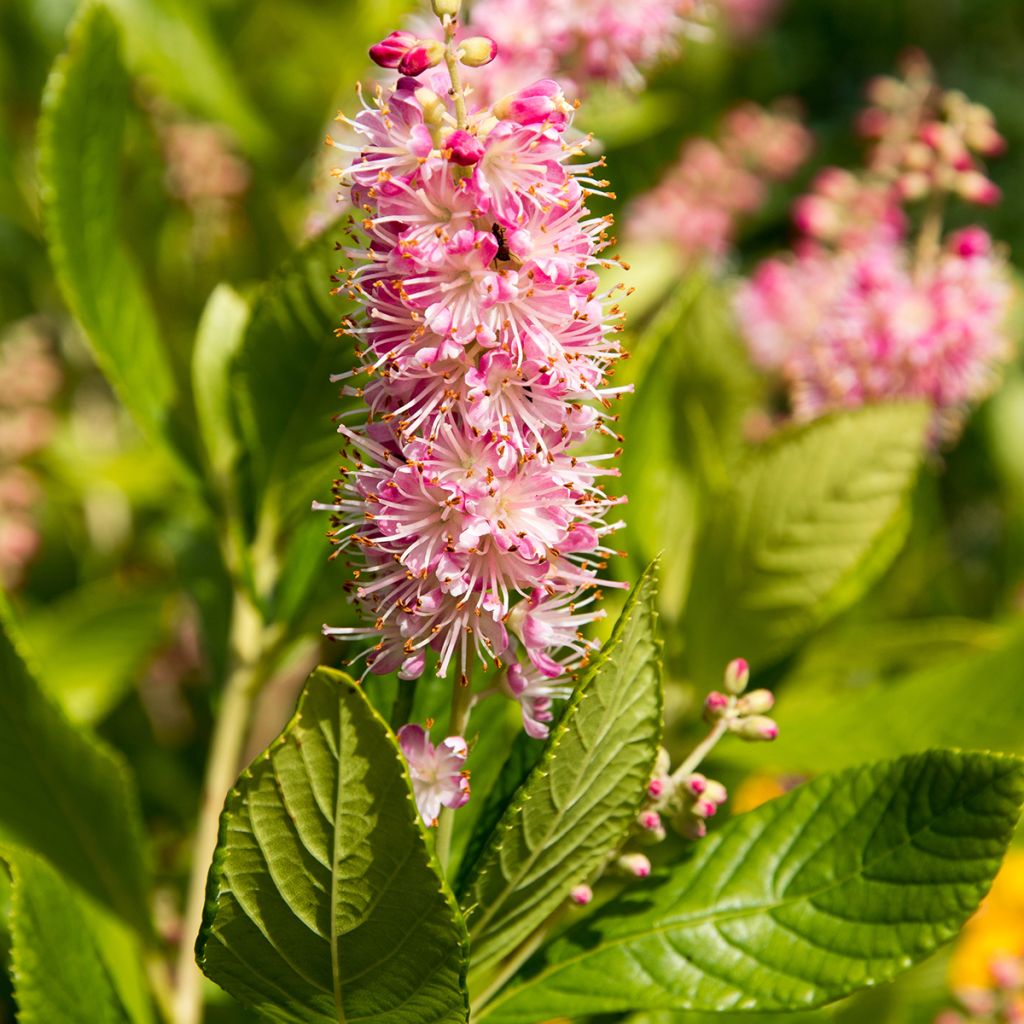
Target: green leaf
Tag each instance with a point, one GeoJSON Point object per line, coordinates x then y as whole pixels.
{"type": "Point", "coordinates": [287, 400]}
{"type": "Point", "coordinates": [112, 631]}
{"type": "Point", "coordinates": [837, 886]}
{"type": "Point", "coordinates": [172, 42]}
{"type": "Point", "coordinates": [683, 429]}
{"type": "Point", "coordinates": [810, 523]}
{"type": "Point", "coordinates": [286, 403]}
{"type": "Point", "coordinates": [323, 901]}
{"type": "Point", "coordinates": [81, 127]}
{"type": "Point", "coordinates": [57, 968]}
{"type": "Point", "coordinates": [66, 796]}
{"type": "Point", "coordinates": [579, 801]}
{"type": "Point", "coordinates": [972, 701]}
{"type": "Point", "coordinates": [218, 338]}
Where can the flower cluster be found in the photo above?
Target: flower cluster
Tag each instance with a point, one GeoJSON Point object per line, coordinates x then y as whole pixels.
{"type": "Point", "coordinates": [715, 182]}
{"type": "Point", "coordinates": [476, 525]}
{"type": "Point", "coordinates": [581, 42]}
{"type": "Point", "coordinates": [864, 311]}
{"type": "Point", "coordinates": [684, 797]}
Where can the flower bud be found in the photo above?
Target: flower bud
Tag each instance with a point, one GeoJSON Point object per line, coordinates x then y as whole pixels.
{"type": "Point", "coordinates": [464, 149]}
{"type": "Point", "coordinates": [715, 705]}
{"type": "Point", "coordinates": [655, 788]}
{"type": "Point", "coordinates": [914, 185]}
{"type": "Point", "coordinates": [581, 895]}
{"type": "Point", "coordinates": [446, 7]}
{"type": "Point", "coordinates": [651, 829]}
{"type": "Point", "coordinates": [716, 792]}
{"type": "Point", "coordinates": [432, 106]}
{"type": "Point", "coordinates": [695, 784]}
{"type": "Point", "coordinates": [634, 864]}
{"type": "Point", "coordinates": [976, 188]}
{"type": "Point", "coordinates": [737, 675]}
{"type": "Point", "coordinates": [757, 702]}
{"type": "Point", "coordinates": [690, 827]}
{"type": "Point", "coordinates": [476, 51]}
{"type": "Point", "coordinates": [423, 54]}
{"type": "Point", "coordinates": [388, 53]}
{"type": "Point", "coordinates": [542, 101]}
{"type": "Point", "coordinates": [757, 727]}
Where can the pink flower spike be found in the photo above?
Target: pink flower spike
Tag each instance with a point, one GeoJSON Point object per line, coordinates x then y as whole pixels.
{"type": "Point", "coordinates": [465, 149]}
{"type": "Point", "coordinates": [581, 895]}
{"type": "Point", "coordinates": [438, 775]}
{"type": "Point", "coordinates": [388, 53]}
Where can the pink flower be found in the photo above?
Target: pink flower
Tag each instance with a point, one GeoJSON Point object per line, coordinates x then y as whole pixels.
{"type": "Point", "coordinates": [389, 52]}
{"type": "Point", "coordinates": [438, 775]}
{"type": "Point", "coordinates": [476, 530]}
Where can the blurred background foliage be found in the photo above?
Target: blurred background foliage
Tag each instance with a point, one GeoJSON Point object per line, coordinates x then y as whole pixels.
{"type": "Point", "coordinates": [115, 548]}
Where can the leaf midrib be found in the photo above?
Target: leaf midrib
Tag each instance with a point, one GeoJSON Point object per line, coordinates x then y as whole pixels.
{"type": "Point", "coordinates": [527, 865]}
{"type": "Point", "coordinates": [725, 915]}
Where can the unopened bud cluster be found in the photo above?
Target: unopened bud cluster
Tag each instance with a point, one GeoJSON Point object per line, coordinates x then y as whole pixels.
{"type": "Point", "coordinates": [685, 799]}
{"type": "Point", "coordinates": [411, 56]}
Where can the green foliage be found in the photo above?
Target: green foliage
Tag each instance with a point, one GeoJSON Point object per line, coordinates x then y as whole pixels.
{"type": "Point", "coordinates": [834, 887]}
{"type": "Point", "coordinates": [577, 803]}
{"type": "Point", "coordinates": [58, 968]}
{"type": "Point", "coordinates": [112, 633]}
{"type": "Point", "coordinates": [969, 701]}
{"type": "Point", "coordinates": [810, 522]}
{"type": "Point", "coordinates": [323, 902]}
{"type": "Point", "coordinates": [66, 796]}
{"type": "Point", "coordinates": [80, 132]}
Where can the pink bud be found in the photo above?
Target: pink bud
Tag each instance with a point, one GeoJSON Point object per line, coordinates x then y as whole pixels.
{"type": "Point", "coordinates": [716, 792]}
{"type": "Point", "coordinates": [755, 728]}
{"type": "Point", "coordinates": [737, 675]}
{"type": "Point", "coordinates": [581, 895]}
{"type": "Point", "coordinates": [477, 51]}
{"type": "Point", "coordinates": [465, 149]}
{"type": "Point", "coordinates": [715, 705]}
{"type": "Point", "coordinates": [542, 101]}
{"type": "Point", "coordinates": [650, 820]}
{"type": "Point", "coordinates": [969, 242]}
{"type": "Point", "coordinates": [757, 702]}
{"type": "Point", "coordinates": [655, 788]}
{"type": "Point", "coordinates": [976, 188]}
{"type": "Point", "coordinates": [914, 185]}
{"type": "Point", "coordinates": [389, 52]}
{"type": "Point", "coordinates": [692, 828]}
{"type": "Point", "coordinates": [695, 784]}
{"type": "Point", "coordinates": [635, 864]}
{"type": "Point", "coordinates": [424, 54]}
{"type": "Point", "coordinates": [704, 808]}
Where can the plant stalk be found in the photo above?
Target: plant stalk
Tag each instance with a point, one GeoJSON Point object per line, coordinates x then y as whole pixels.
{"type": "Point", "coordinates": [250, 667]}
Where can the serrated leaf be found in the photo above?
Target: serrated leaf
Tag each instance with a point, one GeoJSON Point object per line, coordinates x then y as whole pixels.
{"type": "Point", "coordinates": [57, 967]}
{"type": "Point", "coordinates": [578, 802]}
{"type": "Point", "coordinates": [284, 364]}
{"type": "Point", "coordinates": [974, 701]}
{"type": "Point", "coordinates": [837, 886]}
{"type": "Point", "coordinates": [801, 534]}
{"type": "Point", "coordinates": [80, 133]}
{"type": "Point", "coordinates": [323, 901]}
{"type": "Point", "coordinates": [66, 795]}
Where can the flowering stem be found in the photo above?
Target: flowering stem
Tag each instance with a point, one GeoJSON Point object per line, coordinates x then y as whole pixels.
{"type": "Point", "coordinates": [452, 63]}
{"type": "Point", "coordinates": [929, 238]}
{"type": "Point", "coordinates": [699, 752]}
{"type": "Point", "coordinates": [253, 652]}
{"type": "Point", "coordinates": [462, 704]}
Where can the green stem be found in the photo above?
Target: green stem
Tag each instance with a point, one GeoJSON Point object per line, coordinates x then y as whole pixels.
{"type": "Point", "coordinates": [452, 63]}
{"type": "Point", "coordinates": [929, 238]}
{"type": "Point", "coordinates": [462, 705]}
{"type": "Point", "coordinates": [251, 660]}
{"type": "Point", "coordinates": [401, 710]}
{"type": "Point", "coordinates": [699, 752]}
